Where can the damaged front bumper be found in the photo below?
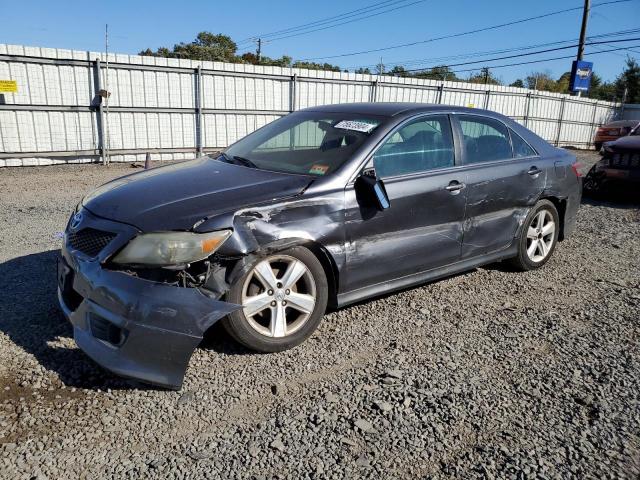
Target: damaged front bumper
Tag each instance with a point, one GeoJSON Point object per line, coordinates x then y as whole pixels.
{"type": "Point", "coordinates": [134, 327]}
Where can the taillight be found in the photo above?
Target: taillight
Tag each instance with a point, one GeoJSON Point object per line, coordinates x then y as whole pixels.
{"type": "Point", "coordinates": [576, 166]}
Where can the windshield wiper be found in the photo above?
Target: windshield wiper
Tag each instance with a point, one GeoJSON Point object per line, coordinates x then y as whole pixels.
{"type": "Point", "coordinates": [238, 160]}
{"type": "Point", "coordinates": [244, 161]}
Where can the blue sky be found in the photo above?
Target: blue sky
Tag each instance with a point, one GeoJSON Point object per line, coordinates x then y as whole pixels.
{"type": "Point", "coordinates": [135, 25]}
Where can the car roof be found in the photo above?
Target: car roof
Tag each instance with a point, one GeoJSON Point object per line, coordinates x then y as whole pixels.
{"type": "Point", "coordinates": [622, 123]}
{"type": "Point", "coordinates": [391, 109]}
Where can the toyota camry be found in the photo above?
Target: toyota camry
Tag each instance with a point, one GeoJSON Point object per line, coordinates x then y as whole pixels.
{"type": "Point", "coordinates": [321, 208]}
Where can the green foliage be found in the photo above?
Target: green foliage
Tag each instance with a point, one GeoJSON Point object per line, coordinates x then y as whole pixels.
{"type": "Point", "coordinates": [317, 66]}
{"type": "Point", "coordinates": [206, 46]}
{"type": "Point", "coordinates": [221, 48]}
{"type": "Point", "coordinates": [540, 81]}
{"type": "Point", "coordinates": [629, 79]}
{"type": "Point", "coordinates": [436, 73]}
{"type": "Point", "coordinates": [485, 76]}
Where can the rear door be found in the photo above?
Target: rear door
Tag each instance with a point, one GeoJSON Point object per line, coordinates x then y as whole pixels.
{"type": "Point", "coordinates": [422, 228]}
{"type": "Point", "coordinates": [505, 176]}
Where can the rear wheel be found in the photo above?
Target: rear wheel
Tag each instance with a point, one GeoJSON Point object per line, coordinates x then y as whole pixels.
{"type": "Point", "coordinates": [284, 297]}
{"type": "Point", "coordinates": [538, 237]}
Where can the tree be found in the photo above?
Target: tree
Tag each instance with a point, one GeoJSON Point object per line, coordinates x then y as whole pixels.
{"type": "Point", "coordinates": [629, 79]}
{"type": "Point", "coordinates": [363, 70]}
{"type": "Point", "coordinates": [562, 84]}
{"type": "Point", "coordinates": [540, 81]}
{"type": "Point", "coordinates": [485, 76]}
{"type": "Point", "coordinates": [518, 83]}
{"type": "Point", "coordinates": [601, 90]}
{"type": "Point", "coordinates": [206, 46]}
{"type": "Point", "coordinates": [221, 48]}
{"type": "Point", "coordinates": [398, 71]}
{"type": "Point", "coordinates": [440, 72]}
{"type": "Point", "coordinates": [317, 66]}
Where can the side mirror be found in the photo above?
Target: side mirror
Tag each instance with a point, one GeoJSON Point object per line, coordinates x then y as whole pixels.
{"type": "Point", "coordinates": [370, 190]}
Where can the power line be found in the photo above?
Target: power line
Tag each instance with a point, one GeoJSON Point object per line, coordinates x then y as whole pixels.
{"type": "Point", "coordinates": [329, 22]}
{"type": "Point", "coordinates": [492, 67]}
{"type": "Point", "coordinates": [322, 20]}
{"type": "Point", "coordinates": [460, 34]}
{"type": "Point", "coordinates": [350, 21]}
{"type": "Point", "coordinates": [485, 60]}
{"type": "Point", "coordinates": [498, 52]}
{"type": "Point", "coordinates": [626, 49]}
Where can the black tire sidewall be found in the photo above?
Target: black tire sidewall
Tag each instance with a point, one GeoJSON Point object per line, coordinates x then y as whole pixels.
{"type": "Point", "coordinates": [523, 259]}
{"type": "Point", "coordinates": [238, 326]}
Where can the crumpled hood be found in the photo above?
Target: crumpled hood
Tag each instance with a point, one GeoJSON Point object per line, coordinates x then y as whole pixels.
{"type": "Point", "coordinates": [175, 197]}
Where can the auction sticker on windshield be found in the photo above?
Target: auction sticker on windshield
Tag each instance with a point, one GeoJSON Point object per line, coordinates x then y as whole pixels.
{"type": "Point", "coordinates": [355, 125]}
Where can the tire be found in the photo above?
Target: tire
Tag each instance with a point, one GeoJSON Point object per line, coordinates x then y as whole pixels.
{"type": "Point", "coordinates": [285, 315]}
{"type": "Point", "coordinates": [594, 182]}
{"type": "Point", "coordinates": [598, 146]}
{"type": "Point", "coordinates": [530, 257]}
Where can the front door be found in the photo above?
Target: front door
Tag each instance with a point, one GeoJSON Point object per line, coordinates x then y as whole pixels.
{"type": "Point", "coordinates": [422, 228]}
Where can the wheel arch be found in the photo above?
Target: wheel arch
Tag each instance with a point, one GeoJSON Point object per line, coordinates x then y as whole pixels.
{"type": "Point", "coordinates": [323, 255]}
{"type": "Point", "coordinates": [561, 207]}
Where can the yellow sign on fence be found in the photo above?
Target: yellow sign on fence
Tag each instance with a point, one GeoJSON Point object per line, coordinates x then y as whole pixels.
{"type": "Point", "coordinates": [8, 86]}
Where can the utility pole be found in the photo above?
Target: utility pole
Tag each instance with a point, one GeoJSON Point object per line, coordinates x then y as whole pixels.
{"type": "Point", "coordinates": [485, 70]}
{"type": "Point", "coordinates": [380, 67]}
{"type": "Point", "coordinates": [259, 50]}
{"type": "Point", "coordinates": [107, 143]}
{"type": "Point", "coordinates": [583, 31]}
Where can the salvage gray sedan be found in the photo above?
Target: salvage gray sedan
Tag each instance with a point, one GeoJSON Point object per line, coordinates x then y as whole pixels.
{"type": "Point", "coordinates": [326, 206]}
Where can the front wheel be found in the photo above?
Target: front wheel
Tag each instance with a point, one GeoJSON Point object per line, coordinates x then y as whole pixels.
{"type": "Point", "coordinates": [538, 236]}
{"type": "Point", "coordinates": [283, 296]}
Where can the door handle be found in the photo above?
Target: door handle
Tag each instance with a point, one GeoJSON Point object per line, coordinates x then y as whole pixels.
{"type": "Point", "coordinates": [454, 187]}
{"type": "Point", "coordinates": [533, 171]}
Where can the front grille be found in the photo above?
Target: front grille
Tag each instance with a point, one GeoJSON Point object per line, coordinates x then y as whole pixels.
{"type": "Point", "coordinates": [90, 241]}
{"type": "Point", "coordinates": [624, 160]}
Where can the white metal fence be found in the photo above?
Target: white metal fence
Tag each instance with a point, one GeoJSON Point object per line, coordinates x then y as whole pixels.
{"type": "Point", "coordinates": [177, 108]}
{"type": "Point", "coordinates": [631, 111]}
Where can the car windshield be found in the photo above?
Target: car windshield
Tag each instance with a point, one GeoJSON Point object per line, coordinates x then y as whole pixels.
{"type": "Point", "coordinates": [310, 143]}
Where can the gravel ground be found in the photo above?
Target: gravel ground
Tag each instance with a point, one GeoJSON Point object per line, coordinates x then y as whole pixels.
{"type": "Point", "coordinates": [490, 374]}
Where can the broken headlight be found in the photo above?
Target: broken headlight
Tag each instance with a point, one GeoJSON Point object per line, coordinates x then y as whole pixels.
{"type": "Point", "coordinates": [164, 249]}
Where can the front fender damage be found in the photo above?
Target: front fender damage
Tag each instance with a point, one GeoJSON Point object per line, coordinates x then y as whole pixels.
{"type": "Point", "coordinates": [260, 231]}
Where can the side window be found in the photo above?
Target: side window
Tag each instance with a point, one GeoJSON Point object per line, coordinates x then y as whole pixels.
{"type": "Point", "coordinates": [419, 146]}
{"type": "Point", "coordinates": [484, 139]}
{"type": "Point", "coordinates": [520, 147]}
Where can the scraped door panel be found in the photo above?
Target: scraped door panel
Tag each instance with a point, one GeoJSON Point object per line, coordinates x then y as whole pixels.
{"type": "Point", "coordinates": [498, 199]}
{"type": "Point", "coordinates": [501, 184]}
{"type": "Point", "coordinates": [421, 230]}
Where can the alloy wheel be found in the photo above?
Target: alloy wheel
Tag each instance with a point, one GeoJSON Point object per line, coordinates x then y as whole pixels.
{"type": "Point", "coordinates": [278, 296]}
{"type": "Point", "coordinates": [540, 236]}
